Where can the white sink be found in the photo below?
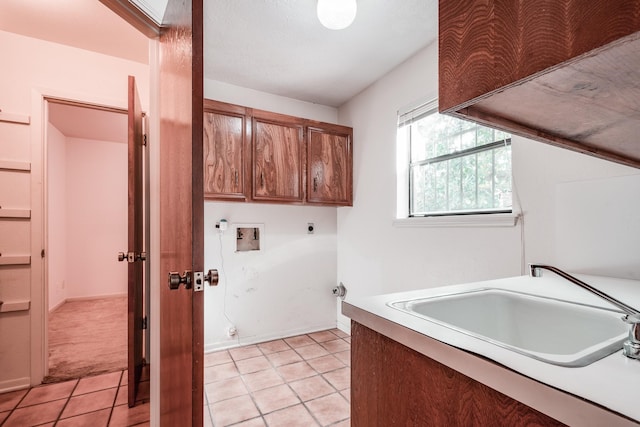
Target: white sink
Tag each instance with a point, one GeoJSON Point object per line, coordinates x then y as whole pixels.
{"type": "Point", "coordinates": [554, 331]}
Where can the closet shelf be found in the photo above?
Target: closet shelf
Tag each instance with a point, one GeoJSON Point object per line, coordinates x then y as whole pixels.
{"type": "Point", "coordinates": [9, 306]}
{"type": "Point", "coordinates": [15, 259]}
{"type": "Point", "coordinates": [15, 118]}
{"type": "Point", "coordinates": [13, 165]}
{"type": "Point", "coordinates": [15, 213]}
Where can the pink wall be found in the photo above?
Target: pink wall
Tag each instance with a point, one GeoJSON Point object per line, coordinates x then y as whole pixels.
{"type": "Point", "coordinates": [56, 219]}
{"type": "Point", "coordinates": [31, 69]}
{"type": "Point", "coordinates": [96, 205]}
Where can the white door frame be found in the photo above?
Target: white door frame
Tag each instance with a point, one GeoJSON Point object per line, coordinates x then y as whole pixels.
{"type": "Point", "coordinates": [39, 287]}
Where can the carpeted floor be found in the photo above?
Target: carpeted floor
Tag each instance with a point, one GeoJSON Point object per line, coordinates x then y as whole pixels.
{"type": "Point", "coordinates": [87, 337]}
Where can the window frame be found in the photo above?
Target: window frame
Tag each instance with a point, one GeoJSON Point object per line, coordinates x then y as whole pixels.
{"type": "Point", "coordinates": [405, 170]}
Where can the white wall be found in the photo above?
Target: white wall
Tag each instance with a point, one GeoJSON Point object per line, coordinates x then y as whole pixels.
{"type": "Point", "coordinates": [31, 69]}
{"type": "Point", "coordinates": [376, 257]}
{"type": "Point", "coordinates": [96, 218]}
{"type": "Point", "coordinates": [281, 290]}
{"type": "Point", "coordinates": [232, 94]}
{"type": "Point", "coordinates": [87, 217]}
{"type": "Point", "coordinates": [57, 216]}
{"type": "Point", "coordinates": [285, 288]}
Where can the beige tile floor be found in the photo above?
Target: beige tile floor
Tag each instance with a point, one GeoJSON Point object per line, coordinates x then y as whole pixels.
{"type": "Point", "coordinates": [298, 381]}
{"type": "Point", "coordinates": [96, 401]}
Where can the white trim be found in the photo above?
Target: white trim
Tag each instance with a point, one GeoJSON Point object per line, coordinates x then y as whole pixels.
{"type": "Point", "coordinates": [13, 165]}
{"type": "Point", "coordinates": [38, 310]}
{"type": "Point", "coordinates": [480, 220]}
{"type": "Point", "coordinates": [153, 253]}
{"type": "Point", "coordinates": [87, 298]}
{"type": "Point", "coordinates": [14, 384]}
{"type": "Point", "coordinates": [411, 114]}
{"type": "Point", "coordinates": [154, 9]}
{"type": "Point", "coordinates": [9, 306]}
{"type": "Point", "coordinates": [20, 119]}
{"type": "Point", "coordinates": [15, 260]}
{"type": "Point", "coordinates": [39, 266]}
{"type": "Point", "coordinates": [95, 297]}
{"type": "Point", "coordinates": [255, 339]}
{"type": "Point", "coordinates": [15, 213]}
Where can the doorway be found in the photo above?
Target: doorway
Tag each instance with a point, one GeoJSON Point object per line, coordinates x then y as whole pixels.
{"type": "Point", "coordinates": [86, 226]}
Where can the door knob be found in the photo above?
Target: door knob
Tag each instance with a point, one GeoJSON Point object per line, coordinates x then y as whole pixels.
{"type": "Point", "coordinates": [132, 256]}
{"type": "Point", "coordinates": [212, 277]}
{"type": "Point", "coordinates": [175, 280]}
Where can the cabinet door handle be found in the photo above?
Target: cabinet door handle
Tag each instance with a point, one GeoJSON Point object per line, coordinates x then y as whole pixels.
{"type": "Point", "coordinates": [261, 179]}
{"type": "Point", "coordinates": [236, 174]}
{"type": "Point", "coordinates": [316, 179]}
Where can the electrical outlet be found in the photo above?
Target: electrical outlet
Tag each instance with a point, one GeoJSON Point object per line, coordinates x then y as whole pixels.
{"type": "Point", "coordinates": [232, 331]}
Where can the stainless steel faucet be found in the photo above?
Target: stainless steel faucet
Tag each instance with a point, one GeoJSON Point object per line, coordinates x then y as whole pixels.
{"type": "Point", "coordinates": [631, 347]}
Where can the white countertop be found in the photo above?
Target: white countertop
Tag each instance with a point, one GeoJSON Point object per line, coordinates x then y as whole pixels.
{"type": "Point", "coordinates": [612, 382]}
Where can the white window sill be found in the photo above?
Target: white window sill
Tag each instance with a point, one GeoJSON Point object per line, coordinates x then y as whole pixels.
{"type": "Point", "coordinates": [481, 220]}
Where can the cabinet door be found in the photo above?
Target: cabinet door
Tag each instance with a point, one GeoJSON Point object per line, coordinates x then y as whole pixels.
{"type": "Point", "coordinates": [224, 156]}
{"type": "Point", "coordinates": [278, 150]}
{"type": "Point", "coordinates": [329, 163]}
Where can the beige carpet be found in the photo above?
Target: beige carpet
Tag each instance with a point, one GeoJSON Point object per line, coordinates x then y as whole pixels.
{"type": "Point", "coordinates": [87, 337]}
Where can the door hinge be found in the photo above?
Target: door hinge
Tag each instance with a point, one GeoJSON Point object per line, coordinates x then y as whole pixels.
{"type": "Point", "coordinates": [144, 323]}
{"type": "Point", "coordinates": [42, 253]}
{"type": "Point", "coordinates": [144, 140]}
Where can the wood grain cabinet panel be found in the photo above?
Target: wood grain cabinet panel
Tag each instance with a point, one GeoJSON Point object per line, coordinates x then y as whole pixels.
{"type": "Point", "coordinates": [561, 72]}
{"type": "Point", "coordinates": [258, 156]}
{"type": "Point", "coordinates": [393, 385]}
{"type": "Point", "coordinates": [329, 165]}
{"type": "Point", "coordinates": [225, 155]}
{"type": "Point", "coordinates": [278, 158]}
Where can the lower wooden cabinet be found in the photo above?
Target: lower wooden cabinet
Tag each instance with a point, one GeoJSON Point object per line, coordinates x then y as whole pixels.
{"type": "Point", "coordinates": [259, 156]}
{"type": "Point", "coordinates": [393, 385]}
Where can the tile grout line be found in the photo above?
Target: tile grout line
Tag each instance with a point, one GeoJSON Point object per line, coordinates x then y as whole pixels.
{"type": "Point", "coordinates": [115, 398]}
{"type": "Point", "coordinates": [287, 383]}
{"type": "Point", "coordinates": [65, 403]}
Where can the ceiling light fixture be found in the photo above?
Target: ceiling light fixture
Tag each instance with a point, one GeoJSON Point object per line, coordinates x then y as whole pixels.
{"type": "Point", "coordinates": [337, 14]}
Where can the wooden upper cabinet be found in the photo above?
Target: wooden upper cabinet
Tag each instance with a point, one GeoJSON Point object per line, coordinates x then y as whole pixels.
{"type": "Point", "coordinates": [329, 165]}
{"type": "Point", "coordinates": [256, 155]}
{"type": "Point", "coordinates": [278, 158]}
{"type": "Point", "coordinates": [561, 72]}
{"type": "Point", "coordinates": [225, 152]}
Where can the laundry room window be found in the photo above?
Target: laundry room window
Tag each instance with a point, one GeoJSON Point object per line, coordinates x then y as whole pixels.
{"type": "Point", "coordinates": [452, 166]}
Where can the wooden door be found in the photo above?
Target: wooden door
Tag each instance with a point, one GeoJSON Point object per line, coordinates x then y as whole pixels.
{"type": "Point", "coordinates": [135, 243]}
{"type": "Point", "coordinates": [278, 150]}
{"type": "Point", "coordinates": [329, 166]}
{"type": "Point", "coordinates": [225, 153]}
{"type": "Point", "coordinates": [181, 213]}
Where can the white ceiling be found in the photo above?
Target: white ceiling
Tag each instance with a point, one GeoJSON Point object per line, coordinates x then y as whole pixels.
{"type": "Point", "coordinates": [280, 47]}
{"type": "Point", "coordinates": [274, 46]}
{"type": "Point", "coordinates": [88, 123]}
{"type": "Point", "coordinates": [85, 24]}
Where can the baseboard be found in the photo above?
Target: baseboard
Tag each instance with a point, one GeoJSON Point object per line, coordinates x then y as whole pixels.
{"type": "Point", "coordinates": [57, 306]}
{"type": "Point", "coordinates": [346, 328]}
{"type": "Point", "coordinates": [88, 298]}
{"type": "Point", "coordinates": [15, 384]}
{"type": "Point", "coordinates": [93, 297]}
{"type": "Point", "coordinates": [223, 345]}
